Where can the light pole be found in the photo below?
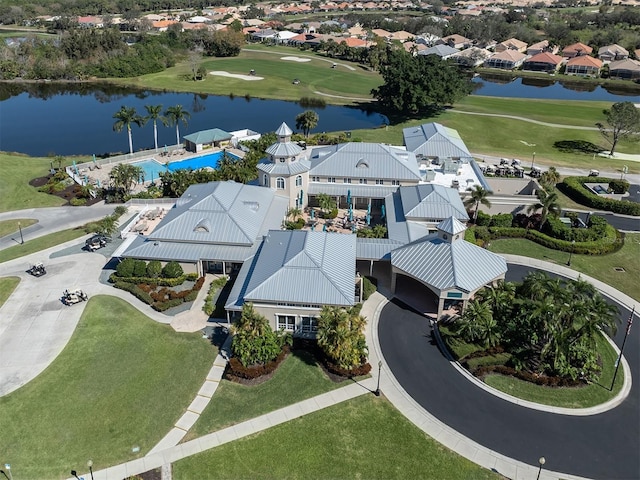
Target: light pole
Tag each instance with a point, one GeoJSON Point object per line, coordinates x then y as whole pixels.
{"type": "Point", "coordinates": [7, 467]}
{"type": "Point", "coordinates": [90, 465]}
{"type": "Point", "coordinates": [533, 159]}
{"type": "Point", "coordinates": [541, 461]}
{"type": "Point", "coordinates": [573, 245]}
{"type": "Point", "coordinates": [21, 237]}
{"type": "Point", "coordinates": [75, 474]}
{"type": "Point", "coordinates": [377, 392]}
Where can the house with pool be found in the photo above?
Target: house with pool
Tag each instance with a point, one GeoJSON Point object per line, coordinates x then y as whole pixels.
{"type": "Point", "coordinates": [413, 190]}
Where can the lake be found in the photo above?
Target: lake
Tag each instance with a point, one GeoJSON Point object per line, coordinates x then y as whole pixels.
{"type": "Point", "coordinates": [40, 120]}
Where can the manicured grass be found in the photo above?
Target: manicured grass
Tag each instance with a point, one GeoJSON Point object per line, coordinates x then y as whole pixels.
{"type": "Point", "coordinates": [121, 382]}
{"type": "Point", "coordinates": [14, 225]}
{"type": "Point", "coordinates": [362, 438]}
{"type": "Point", "coordinates": [297, 379]}
{"type": "Point", "coordinates": [600, 267]}
{"type": "Point", "coordinates": [17, 171]}
{"type": "Point", "coordinates": [40, 243]}
{"type": "Point", "coordinates": [583, 397]}
{"type": "Point", "coordinates": [7, 286]}
{"type": "Point", "coordinates": [277, 74]}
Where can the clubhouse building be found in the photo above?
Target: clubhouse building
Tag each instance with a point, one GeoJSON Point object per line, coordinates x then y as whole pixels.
{"type": "Point", "coordinates": [288, 275]}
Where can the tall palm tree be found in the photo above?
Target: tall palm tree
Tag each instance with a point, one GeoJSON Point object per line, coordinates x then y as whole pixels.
{"type": "Point", "coordinates": [155, 114]}
{"type": "Point", "coordinates": [550, 178]}
{"type": "Point", "coordinates": [548, 203]}
{"type": "Point", "coordinates": [479, 195]}
{"type": "Point", "coordinates": [175, 115]}
{"type": "Point", "coordinates": [307, 121]}
{"type": "Point", "coordinates": [124, 118]}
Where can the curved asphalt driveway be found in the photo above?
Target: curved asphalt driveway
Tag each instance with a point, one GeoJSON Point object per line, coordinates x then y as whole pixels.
{"type": "Point", "coordinates": [600, 446]}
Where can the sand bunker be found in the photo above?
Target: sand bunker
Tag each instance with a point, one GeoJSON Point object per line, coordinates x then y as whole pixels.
{"type": "Point", "coordinates": [296, 59]}
{"type": "Point", "coordinates": [221, 73]}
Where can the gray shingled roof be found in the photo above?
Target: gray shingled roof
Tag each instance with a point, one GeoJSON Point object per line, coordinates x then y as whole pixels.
{"type": "Point", "coordinates": [364, 160]}
{"type": "Point", "coordinates": [287, 168]}
{"type": "Point", "coordinates": [208, 136]}
{"type": "Point", "coordinates": [303, 267]}
{"type": "Point", "coordinates": [435, 140]}
{"type": "Point", "coordinates": [445, 265]}
{"type": "Point", "coordinates": [221, 213]}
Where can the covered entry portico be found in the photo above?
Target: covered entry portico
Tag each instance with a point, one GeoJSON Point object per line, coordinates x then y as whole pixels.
{"type": "Point", "coordinates": [450, 267]}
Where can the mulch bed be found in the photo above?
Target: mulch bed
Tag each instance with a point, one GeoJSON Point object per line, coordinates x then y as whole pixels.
{"type": "Point", "coordinates": [67, 194]}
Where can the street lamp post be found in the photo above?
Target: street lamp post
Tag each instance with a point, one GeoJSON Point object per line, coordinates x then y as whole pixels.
{"type": "Point", "coordinates": [573, 246]}
{"type": "Point", "coordinates": [21, 237]}
{"type": "Point", "coordinates": [7, 467]}
{"type": "Point", "coordinates": [90, 465]}
{"type": "Point", "coordinates": [377, 392]}
{"type": "Point", "coordinates": [75, 474]}
{"type": "Point", "coordinates": [541, 461]}
{"type": "Point", "coordinates": [533, 159]}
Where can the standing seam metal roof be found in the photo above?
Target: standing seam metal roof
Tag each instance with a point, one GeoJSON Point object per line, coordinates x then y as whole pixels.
{"type": "Point", "coordinates": [293, 168]}
{"type": "Point", "coordinates": [435, 140]}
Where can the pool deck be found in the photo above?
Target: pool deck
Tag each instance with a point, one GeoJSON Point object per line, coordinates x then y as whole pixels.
{"type": "Point", "coordinates": [99, 173]}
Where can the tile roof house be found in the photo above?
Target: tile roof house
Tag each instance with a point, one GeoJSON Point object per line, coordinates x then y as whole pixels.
{"type": "Point", "coordinates": [443, 51]}
{"type": "Point", "coordinates": [512, 44]}
{"type": "Point", "coordinates": [625, 69]}
{"type": "Point", "coordinates": [539, 47]}
{"type": "Point", "coordinates": [354, 42]}
{"type": "Point", "coordinates": [576, 50]}
{"type": "Point", "coordinates": [583, 65]}
{"type": "Point", "coordinates": [610, 53]}
{"type": "Point", "coordinates": [456, 41]}
{"type": "Point", "coordinates": [543, 62]}
{"type": "Point", "coordinates": [506, 60]}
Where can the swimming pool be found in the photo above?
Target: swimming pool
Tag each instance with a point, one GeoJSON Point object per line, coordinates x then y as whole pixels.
{"type": "Point", "coordinates": [152, 167]}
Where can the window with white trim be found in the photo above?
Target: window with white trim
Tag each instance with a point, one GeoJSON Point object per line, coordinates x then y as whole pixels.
{"type": "Point", "coordinates": [395, 182]}
{"type": "Point", "coordinates": [315, 179]}
{"type": "Point", "coordinates": [379, 181]}
{"type": "Point", "coordinates": [286, 322]}
{"type": "Point", "coordinates": [309, 324]}
{"type": "Point", "coordinates": [346, 180]}
{"type": "Point", "coordinates": [280, 183]}
{"type": "Point", "coordinates": [363, 181]}
{"type": "Point", "coordinates": [331, 180]}
{"type": "Point", "coordinates": [299, 181]}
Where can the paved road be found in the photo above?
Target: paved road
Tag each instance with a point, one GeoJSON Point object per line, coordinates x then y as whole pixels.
{"type": "Point", "coordinates": [600, 446]}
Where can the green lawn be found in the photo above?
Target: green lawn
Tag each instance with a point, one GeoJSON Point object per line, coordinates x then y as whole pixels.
{"type": "Point", "coordinates": [14, 225]}
{"type": "Point", "coordinates": [587, 396]}
{"type": "Point", "coordinates": [121, 382]}
{"type": "Point", "coordinates": [277, 74]}
{"type": "Point", "coordinates": [362, 438]}
{"type": "Point", "coordinates": [40, 243]}
{"type": "Point", "coordinates": [600, 267]}
{"type": "Point", "coordinates": [297, 378]}
{"type": "Point", "coordinates": [7, 286]}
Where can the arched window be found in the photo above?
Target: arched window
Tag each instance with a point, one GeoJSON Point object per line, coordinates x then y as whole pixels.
{"type": "Point", "coordinates": [299, 181]}
{"type": "Point", "coordinates": [280, 183]}
{"type": "Point", "coordinates": [265, 180]}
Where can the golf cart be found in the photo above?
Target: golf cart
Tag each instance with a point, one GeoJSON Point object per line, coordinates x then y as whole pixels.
{"type": "Point", "coordinates": [96, 242]}
{"type": "Point", "coordinates": [37, 270]}
{"type": "Point", "coordinates": [69, 297]}
{"type": "Point", "coordinates": [594, 173]}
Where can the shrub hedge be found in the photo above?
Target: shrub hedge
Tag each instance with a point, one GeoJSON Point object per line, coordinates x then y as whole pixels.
{"type": "Point", "coordinates": [527, 376]}
{"type": "Point", "coordinates": [144, 289]}
{"type": "Point", "coordinates": [574, 188]}
{"type": "Point", "coordinates": [236, 369]}
{"type": "Point", "coordinates": [368, 288]}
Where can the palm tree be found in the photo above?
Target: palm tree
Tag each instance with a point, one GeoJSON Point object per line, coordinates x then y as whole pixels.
{"type": "Point", "coordinates": [124, 118]}
{"type": "Point", "coordinates": [175, 115]}
{"type": "Point", "coordinates": [548, 203]}
{"type": "Point", "coordinates": [125, 175]}
{"type": "Point", "coordinates": [550, 178]}
{"type": "Point", "coordinates": [307, 121]}
{"type": "Point", "coordinates": [340, 335]}
{"type": "Point", "coordinates": [154, 114]}
{"type": "Point", "coordinates": [325, 202]}
{"type": "Point", "coordinates": [478, 196]}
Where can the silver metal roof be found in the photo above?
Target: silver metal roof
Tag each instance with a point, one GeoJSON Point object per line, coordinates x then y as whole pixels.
{"type": "Point", "coordinates": [445, 265]}
{"type": "Point", "coordinates": [284, 130]}
{"type": "Point", "coordinates": [302, 267]}
{"type": "Point", "coordinates": [147, 249]}
{"type": "Point", "coordinates": [365, 160]}
{"type": "Point", "coordinates": [431, 202]}
{"type": "Point", "coordinates": [287, 168]}
{"type": "Point", "coordinates": [452, 226]}
{"type": "Point", "coordinates": [208, 136]}
{"type": "Point", "coordinates": [284, 149]}
{"type": "Point", "coordinates": [435, 140]}
{"type": "Point", "coordinates": [222, 213]}
{"type": "Point", "coordinates": [440, 50]}
{"type": "Point", "coordinates": [357, 190]}
{"type": "Point", "coordinates": [375, 248]}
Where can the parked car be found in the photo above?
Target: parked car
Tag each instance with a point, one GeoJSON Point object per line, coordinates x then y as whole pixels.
{"type": "Point", "coordinates": [37, 270]}
{"type": "Point", "coordinates": [96, 242]}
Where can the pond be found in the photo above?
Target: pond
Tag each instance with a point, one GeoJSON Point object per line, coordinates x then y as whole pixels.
{"type": "Point", "coordinates": [47, 119]}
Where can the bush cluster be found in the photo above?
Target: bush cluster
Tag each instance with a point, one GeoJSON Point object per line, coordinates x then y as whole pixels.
{"type": "Point", "coordinates": [368, 287]}
{"type": "Point", "coordinates": [574, 188]}
{"type": "Point", "coordinates": [236, 369]}
{"type": "Point", "coordinates": [543, 380]}
{"type": "Point", "coordinates": [358, 371]}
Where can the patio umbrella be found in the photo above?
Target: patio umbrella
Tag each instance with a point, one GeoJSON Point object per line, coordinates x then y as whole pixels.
{"type": "Point", "coordinates": [353, 228]}
{"type": "Point", "coordinates": [301, 197]}
{"type": "Point", "coordinates": [98, 183]}
{"type": "Point", "coordinates": [350, 214]}
{"type": "Point", "coordinates": [383, 210]}
{"type": "Point", "coordinates": [86, 180]}
{"type": "Point", "coordinates": [94, 158]}
{"type": "Point", "coordinates": [349, 197]}
{"type": "Point", "coordinates": [313, 214]}
{"type": "Point", "coordinates": [324, 227]}
{"type": "Point", "coordinates": [368, 218]}
{"type": "Point", "coordinates": [166, 150]}
{"type": "Point", "coordinates": [75, 167]}
{"type": "Point", "coordinates": [369, 208]}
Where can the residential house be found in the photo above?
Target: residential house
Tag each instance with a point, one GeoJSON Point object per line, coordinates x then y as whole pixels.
{"type": "Point", "coordinates": [90, 22]}
{"type": "Point", "coordinates": [611, 53]}
{"type": "Point", "coordinates": [576, 50]}
{"type": "Point", "coordinates": [543, 62]}
{"type": "Point", "coordinates": [584, 66]}
{"type": "Point", "coordinates": [456, 41]}
{"type": "Point", "coordinates": [443, 51]}
{"type": "Point", "coordinates": [402, 36]}
{"type": "Point", "coordinates": [539, 47]}
{"type": "Point", "coordinates": [162, 25]}
{"type": "Point", "coordinates": [354, 42]}
{"type": "Point", "coordinates": [471, 57]}
{"type": "Point", "coordinates": [506, 60]}
{"type": "Point", "coordinates": [426, 39]}
{"type": "Point", "coordinates": [625, 69]}
{"type": "Point", "coordinates": [511, 44]}
{"type": "Point", "coordinates": [379, 32]}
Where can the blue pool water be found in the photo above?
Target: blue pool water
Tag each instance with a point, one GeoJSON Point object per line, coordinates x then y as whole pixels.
{"type": "Point", "coordinates": [152, 168]}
